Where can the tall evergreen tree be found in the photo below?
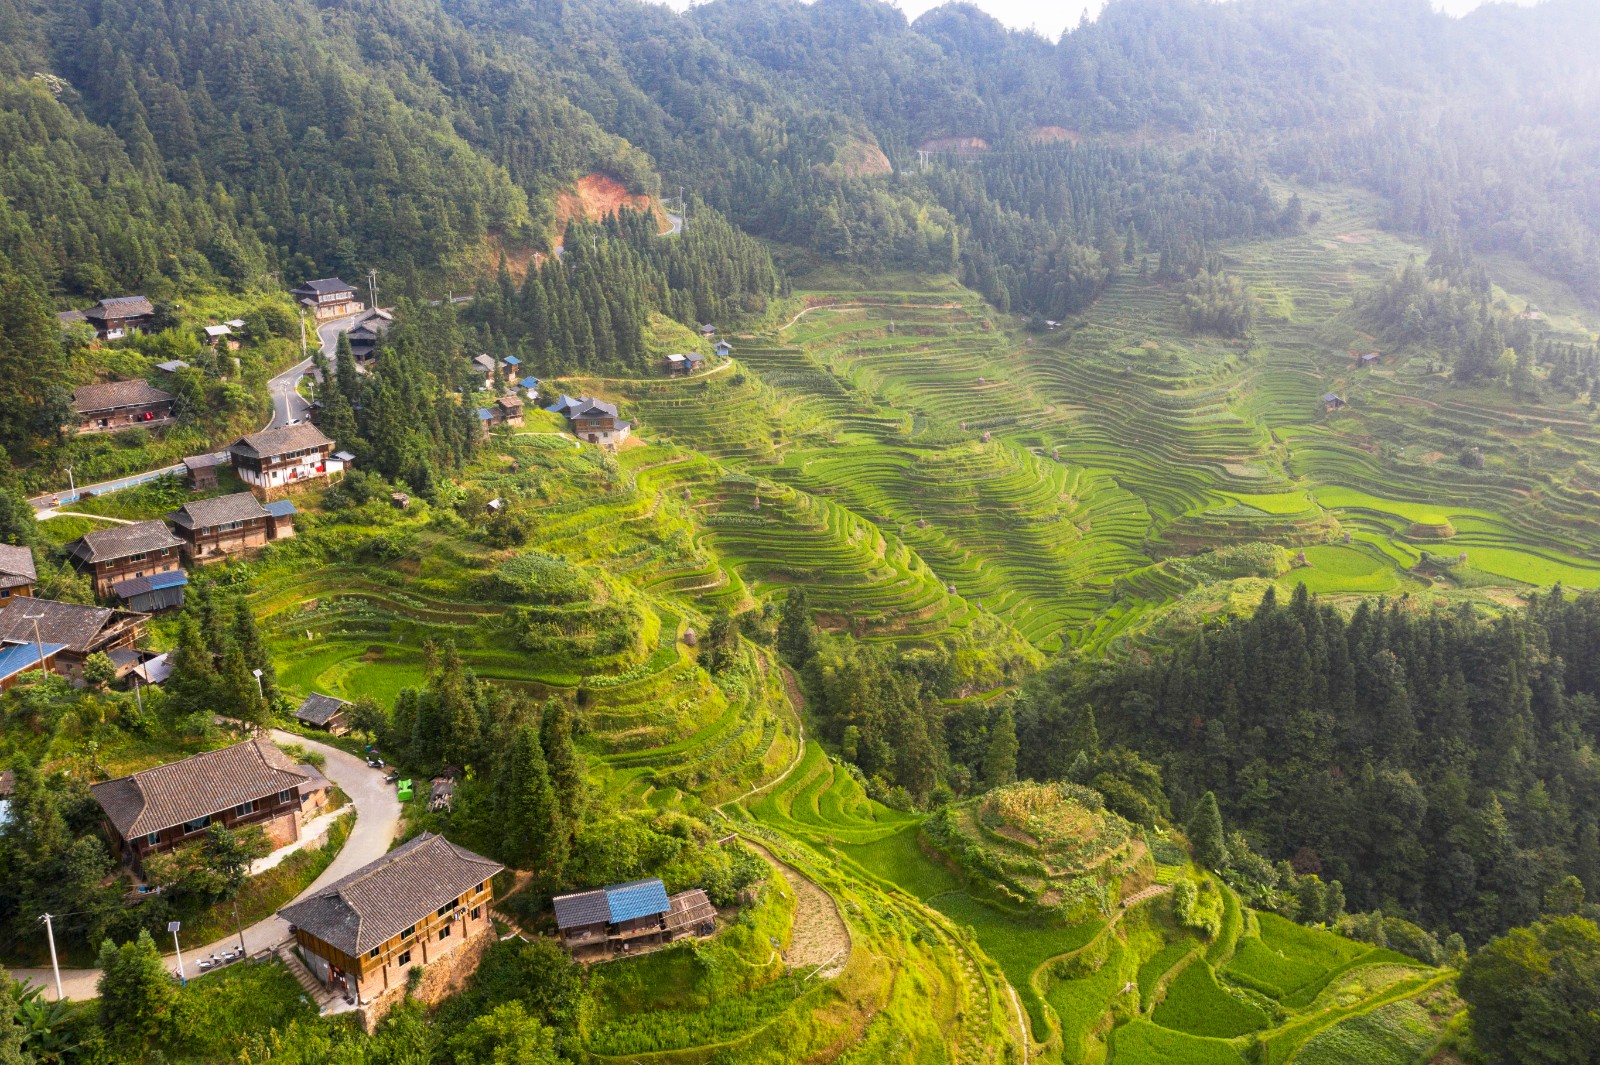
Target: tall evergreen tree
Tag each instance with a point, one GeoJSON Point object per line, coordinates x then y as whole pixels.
{"type": "Point", "coordinates": [1000, 761]}
{"type": "Point", "coordinates": [1205, 833]}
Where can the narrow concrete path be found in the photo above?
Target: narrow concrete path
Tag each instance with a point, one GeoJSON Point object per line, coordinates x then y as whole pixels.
{"type": "Point", "coordinates": [377, 822]}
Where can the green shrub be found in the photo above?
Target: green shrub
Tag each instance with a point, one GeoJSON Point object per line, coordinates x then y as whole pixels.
{"type": "Point", "coordinates": [540, 578]}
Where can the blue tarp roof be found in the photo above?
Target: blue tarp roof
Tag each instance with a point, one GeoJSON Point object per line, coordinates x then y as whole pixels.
{"type": "Point", "coordinates": [14, 658]}
{"type": "Point", "coordinates": [280, 508]}
{"type": "Point", "coordinates": [155, 582]}
{"type": "Point", "coordinates": [641, 898]}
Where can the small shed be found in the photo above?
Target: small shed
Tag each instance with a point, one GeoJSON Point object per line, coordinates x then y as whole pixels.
{"type": "Point", "coordinates": [324, 712]}
{"type": "Point", "coordinates": [723, 349]}
{"type": "Point", "coordinates": [201, 470]}
{"type": "Point", "coordinates": [172, 366]}
{"type": "Point", "coordinates": [400, 500]}
{"type": "Point", "coordinates": [441, 794]}
{"type": "Point", "coordinates": [1369, 358]}
{"type": "Point", "coordinates": [708, 330]}
{"type": "Point", "coordinates": [153, 670]}
{"type": "Point", "coordinates": [1332, 402]}
{"type": "Point", "coordinates": [512, 361]}
{"type": "Point", "coordinates": [691, 915]}
{"type": "Point", "coordinates": [153, 592]}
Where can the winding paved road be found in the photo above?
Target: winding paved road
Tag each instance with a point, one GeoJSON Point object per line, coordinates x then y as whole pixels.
{"type": "Point", "coordinates": [377, 821]}
{"type": "Point", "coordinates": [288, 406]}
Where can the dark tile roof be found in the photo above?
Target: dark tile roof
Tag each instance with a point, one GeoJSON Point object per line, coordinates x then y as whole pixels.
{"type": "Point", "coordinates": [120, 307]}
{"type": "Point", "coordinates": [376, 902]}
{"type": "Point", "coordinates": [325, 286]}
{"type": "Point", "coordinates": [315, 781]}
{"type": "Point", "coordinates": [509, 403]}
{"type": "Point", "coordinates": [218, 510]}
{"type": "Point", "coordinates": [278, 441]}
{"type": "Point", "coordinates": [67, 318]}
{"type": "Point", "coordinates": [8, 784]}
{"type": "Point", "coordinates": [319, 709]}
{"type": "Point", "coordinates": [120, 541]}
{"type": "Point", "coordinates": [76, 627]}
{"type": "Point", "coordinates": [209, 783]}
{"type": "Point", "coordinates": [114, 394]}
{"type": "Point", "coordinates": [580, 909]}
{"type": "Point", "coordinates": [16, 566]}
{"type": "Point", "coordinates": [205, 462]}
{"type": "Point", "coordinates": [484, 363]}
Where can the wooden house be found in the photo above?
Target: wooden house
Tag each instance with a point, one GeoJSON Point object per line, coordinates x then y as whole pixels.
{"type": "Point", "coordinates": [120, 317]}
{"type": "Point", "coordinates": [123, 552]}
{"type": "Point", "coordinates": [152, 593]}
{"type": "Point", "coordinates": [80, 630]}
{"type": "Point", "coordinates": [328, 297]}
{"type": "Point", "coordinates": [221, 336]}
{"type": "Point", "coordinates": [1369, 358]}
{"type": "Point", "coordinates": [324, 712]}
{"type": "Point", "coordinates": [485, 365]}
{"type": "Point", "coordinates": [708, 331]}
{"type": "Point", "coordinates": [508, 410]}
{"type": "Point", "coordinates": [593, 420]}
{"type": "Point", "coordinates": [201, 470]}
{"type": "Point", "coordinates": [250, 783]}
{"type": "Point", "coordinates": [17, 573]}
{"type": "Point", "coordinates": [423, 900]}
{"type": "Point", "coordinates": [291, 454]}
{"type": "Point", "coordinates": [366, 333]}
{"type": "Point", "coordinates": [680, 365]}
{"type": "Point", "coordinates": [613, 919]}
{"type": "Point", "coordinates": [116, 405]}
{"type": "Point", "coordinates": [212, 529]}
{"type": "Point", "coordinates": [723, 349]}
{"type": "Point", "coordinates": [1332, 402]}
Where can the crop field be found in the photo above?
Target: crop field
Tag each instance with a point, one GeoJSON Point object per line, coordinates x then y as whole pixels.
{"type": "Point", "coordinates": [1196, 1005]}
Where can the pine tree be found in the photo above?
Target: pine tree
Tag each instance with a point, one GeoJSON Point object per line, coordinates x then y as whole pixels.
{"type": "Point", "coordinates": [1206, 840]}
{"type": "Point", "coordinates": [138, 1000]}
{"type": "Point", "coordinates": [193, 684]}
{"type": "Point", "coordinates": [1000, 761]}
{"type": "Point", "coordinates": [247, 637]}
{"type": "Point", "coordinates": [562, 757]}
{"type": "Point", "coordinates": [796, 640]}
{"type": "Point", "coordinates": [525, 806]}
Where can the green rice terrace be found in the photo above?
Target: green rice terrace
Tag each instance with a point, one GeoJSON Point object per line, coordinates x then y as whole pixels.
{"type": "Point", "coordinates": [1121, 980]}
{"type": "Point", "coordinates": [918, 462]}
{"type": "Point", "coordinates": [924, 468]}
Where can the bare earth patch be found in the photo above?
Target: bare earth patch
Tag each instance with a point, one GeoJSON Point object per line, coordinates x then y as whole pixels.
{"type": "Point", "coordinates": [819, 936]}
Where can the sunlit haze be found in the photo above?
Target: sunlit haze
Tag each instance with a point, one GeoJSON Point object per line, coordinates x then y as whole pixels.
{"type": "Point", "coordinates": [1050, 17]}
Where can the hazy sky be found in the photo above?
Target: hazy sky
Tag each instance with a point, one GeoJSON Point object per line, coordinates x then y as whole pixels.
{"type": "Point", "coordinates": [1050, 17]}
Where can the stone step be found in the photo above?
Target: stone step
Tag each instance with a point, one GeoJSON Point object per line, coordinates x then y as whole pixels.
{"type": "Point", "coordinates": [314, 988]}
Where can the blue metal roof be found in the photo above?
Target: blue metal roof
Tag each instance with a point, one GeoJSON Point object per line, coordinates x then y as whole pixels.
{"type": "Point", "coordinates": [153, 583]}
{"type": "Point", "coordinates": [529, 382]}
{"type": "Point", "coordinates": [485, 414]}
{"type": "Point", "coordinates": [280, 508]}
{"type": "Point", "coordinates": [17, 657]}
{"type": "Point", "coordinates": [641, 898]}
{"type": "Point", "coordinates": [511, 360]}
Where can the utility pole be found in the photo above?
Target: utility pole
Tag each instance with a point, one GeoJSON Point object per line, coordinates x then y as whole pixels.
{"type": "Point", "coordinates": [38, 644]}
{"type": "Point", "coordinates": [55, 967]}
{"type": "Point", "coordinates": [72, 487]}
{"type": "Point", "coordinates": [239, 926]}
{"type": "Point", "coordinates": [173, 926]}
{"type": "Point", "coordinates": [302, 332]}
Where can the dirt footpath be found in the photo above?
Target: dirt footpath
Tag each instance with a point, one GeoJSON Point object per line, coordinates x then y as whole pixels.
{"type": "Point", "coordinates": [820, 936]}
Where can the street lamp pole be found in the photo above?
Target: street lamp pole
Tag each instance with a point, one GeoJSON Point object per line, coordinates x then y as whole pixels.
{"type": "Point", "coordinates": [173, 926]}
{"type": "Point", "coordinates": [261, 691]}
